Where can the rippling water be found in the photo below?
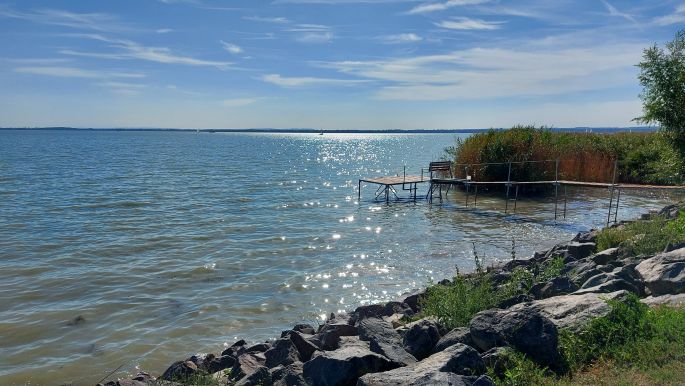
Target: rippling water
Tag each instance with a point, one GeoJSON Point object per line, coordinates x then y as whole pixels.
{"type": "Point", "coordinates": [172, 243]}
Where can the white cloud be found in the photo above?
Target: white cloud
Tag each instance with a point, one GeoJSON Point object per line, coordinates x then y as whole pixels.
{"type": "Point", "coordinates": [401, 38]}
{"type": "Point", "coordinates": [465, 23]}
{"type": "Point", "coordinates": [312, 33]}
{"type": "Point", "coordinates": [276, 20]}
{"type": "Point", "coordinates": [307, 81]}
{"type": "Point", "coordinates": [480, 73]}
{"type": "Point", "coordinates": [100, 22]}
{"type": "Point", "coordinates": [232, 48]}
{"type": "Point", "coordinates": [132, 50]}
{"type": "Point", "coordinates": [164, 30]}
{"type": "Point", "coordinates": [434, 7]}
{"type": "Point", "coordinates": [677, 17]}
{"type": "Point", "coordinates": [123, 88]}
{"type": "Point", "coordinates": [74, 72]}
{"type": "Point", "coordinates": [613, 11]}
{"type": "Point", "coordinates": [238, 102]}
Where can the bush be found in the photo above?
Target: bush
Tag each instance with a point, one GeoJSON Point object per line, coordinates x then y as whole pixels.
{"type": "Point", "coordinates": [644, 236]}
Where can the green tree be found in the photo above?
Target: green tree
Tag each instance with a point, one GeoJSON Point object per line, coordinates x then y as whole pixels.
{"type": "Point", "coordinates": [662, 75]}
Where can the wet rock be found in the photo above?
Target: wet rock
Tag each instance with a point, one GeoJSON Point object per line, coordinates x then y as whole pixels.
{"type": "Point", "coordinates": [142, 379]}
{"type": "Point", "coordinates": [246, 364]}
{"type": "Point", "coordinates": [514, 300]}
{"type": "Point", "coordinates": [180, 371]}
{"type": "Point", "coordinates": [528, 331]}
{"type": "Point", "coordinates": [304, 347]}
{"type": "Point", "coordinates": [458, 335]}
{"type": "Point", "coordinates": [77, 321]}
{"type": "Point", "coordinates": [283, 352]}
{"type": "Point", "coordinates": [438, 369]}
{"type": "Point", "coordinates": [421, 338]}
{"type": "Point", "coordinates": [561, 285]}
{"type": "Point", "coordinates": [346, 364]}
{"type": "Point", "coordinates": [605, 256]}
{"type": "Point", "coordinates": [235, 348]}
{"type": "Point", "coordinates": [332, 332]}
{"type": "Point", "coordinates": [664, 273]}
{"type": "Point", "coordinates": [384, 340]}
{"type": "Point", "coordinates": [211, 363]}
{"type": "Point", "coordinates": [574, 310]}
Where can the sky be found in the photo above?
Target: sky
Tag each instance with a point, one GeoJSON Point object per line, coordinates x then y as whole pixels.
{"type": "Point", "coordinates": [330, 64]}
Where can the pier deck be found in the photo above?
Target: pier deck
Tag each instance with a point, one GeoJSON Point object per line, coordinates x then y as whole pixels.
{"type": "Point", "coordinates": [387, 185]}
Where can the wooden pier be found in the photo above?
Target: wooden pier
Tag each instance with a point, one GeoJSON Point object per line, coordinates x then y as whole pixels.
{"type": "Point", "coordinates": [440, 175]}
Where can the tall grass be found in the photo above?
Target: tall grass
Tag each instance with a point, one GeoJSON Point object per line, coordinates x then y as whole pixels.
{"type": "Point", "coordinates": [644, 236]}
{"type": "Point", "coordinates": [642, 157]}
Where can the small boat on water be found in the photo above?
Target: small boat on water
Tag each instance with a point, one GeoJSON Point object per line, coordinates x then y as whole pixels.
{"type": "Point", "coordinates": [321, 133]}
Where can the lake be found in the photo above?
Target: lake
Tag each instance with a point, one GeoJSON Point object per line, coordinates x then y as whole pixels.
{"type": "Point", "coordinates": [136, 249]}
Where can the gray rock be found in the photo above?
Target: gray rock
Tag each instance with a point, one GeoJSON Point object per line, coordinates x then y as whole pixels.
{"type": "Point", "coordinates": [574, 310]}
{"type": "Point", "coordinates": [670, 211]}
{"type": "Point", "coordinates": [673, 246]}
{"type": "Point", "coordinates": [259, 347]}
{"type": "Point", "coordinates": [497, 359]}
{"type": "Point", "coordinates": [665, 300]}
{"type": "Point", "coordinates": [234, 349]}
{"type": "Point", "coordinates": [304, 347]}
{"type": "Point", "coordinates": [664, 273]}
{"type": "Point", "coordinates": [290, 375]}
{"type": "Point", "coordinates": [381, 310]}
{"type": "Point", "coordinates": [526, 330]}
{"type": "Point", "coordinates": [586, 237]}
{"type": "Point", "coordinates": [346, 364]}
{"type": "Point", "coordinates": [283, 352]}
{"type": "Point", "coordinates": [458, 335]}
{"type": "Point", "coordinates": [514, 300]}
{"type": "Point", "coordinates": [483, 380]}
{"type": "Point", "coordinates": [438, 369]}
{"type": "Point", "coordinates": [384, 340]}
{"type": "Point", "coordinates": [246, 364]}
{"type": "Point", "coordinates": [141, 379]}
{"type": "Point", "coordinates": [260, 377]}
{"type": "Point", "coordinates": [421, 337]}
{"type": "Point", "coordinates": [304, 329]}
{"type": "Point", "coordinates": [414, 300]}
{"type": "Point", "coordinates": [576, 250]}
{"type": "Point", "coordinates": [605, 256]}
{"type": "Point", "coordinates": [212, 364]}
{"type": "Point", "coordinates": [561, 285]}
{"type": "Point", "coordinates": [180, 371]}
{"type": "Point", "coordinates": [332, 332]}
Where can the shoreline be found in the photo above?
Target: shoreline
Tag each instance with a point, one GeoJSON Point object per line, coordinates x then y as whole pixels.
{"type": "Point", "coordinates": [387, 343]}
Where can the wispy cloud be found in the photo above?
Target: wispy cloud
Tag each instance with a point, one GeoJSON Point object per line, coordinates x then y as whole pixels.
{"type": "Point", "coordinates": [441, 6]}
{"type": "Point", "coordinates": [239, 102]}
{"type": "Point", "coordinates": [132, 50]}
{"type": "Point", "coordinates": [164, 30]}
{"type": "Point", "coordinates": [312, 33]}
{"type": "Point", "coordinates": [494, 73]}
{"type": "Point", "coordinates": [613, 11]}
{"type": "Point", "coordinates": [100, 22]}
{"type": "Point", "coordinates": [123, 88]}
{"type": "Point", "coordinates": [276, 20]}
{"type": "Point", "coordinates": [308, 81]}
{"type": "Point", "coordinates": [232, 48]}
{"type": "Point", "coordinates": [200, 4]}
{"type": "Point", "coordinates": [465, 23]}
{"type": "Point", "coordinates": [74, 72]}
{"type": "Point", "coordinates": [677, 17]}
{"type": "Point", "coordinates": [400, 38]}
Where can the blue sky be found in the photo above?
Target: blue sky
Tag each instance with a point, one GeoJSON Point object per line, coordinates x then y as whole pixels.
{"type": "Point", "coordinates": [347, 64]}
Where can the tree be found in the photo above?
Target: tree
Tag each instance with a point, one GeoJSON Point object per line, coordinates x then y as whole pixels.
{"type": "Point", "coordinates": [662, 76]}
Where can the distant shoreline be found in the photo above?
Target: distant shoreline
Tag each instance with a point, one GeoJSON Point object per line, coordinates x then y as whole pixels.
{"type": "Point", "coordinates": [336, 131]}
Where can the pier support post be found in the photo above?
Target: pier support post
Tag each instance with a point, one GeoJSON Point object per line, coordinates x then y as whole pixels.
{"type": "Point", "coordinates": [611, 198]}
{"type": "Point", "coordinates": [516, 198]}
{"type": "Point", "coordinates": [556, 188]}
{"type": "Point", "coordinates": [359, 191]}
{"type": "Point", "coordinates": [565, 200]}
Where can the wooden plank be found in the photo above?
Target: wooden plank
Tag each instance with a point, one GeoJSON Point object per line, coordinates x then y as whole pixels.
{"type": "Point", "coordinates": [395, 180]}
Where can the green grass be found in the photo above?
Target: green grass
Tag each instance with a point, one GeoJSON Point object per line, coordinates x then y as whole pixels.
{"type": "Point", "coordinates": [633, 344]}
{"type": "Point", "coordinates": [644, 236]}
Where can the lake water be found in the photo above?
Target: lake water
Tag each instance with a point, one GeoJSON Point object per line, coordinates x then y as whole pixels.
{"type": "Point", "coordinates": [168, 244]}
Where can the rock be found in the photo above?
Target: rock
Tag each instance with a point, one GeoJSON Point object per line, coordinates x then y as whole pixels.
{"type": "Point", "coordinates": [235, 348]}
{"type": "Point", "coordinates": [516, 299]}
{"type": "Point", "coordinates": [574, 310]}
{"type": "Point", "coordinates": [670, 211]}
{"type": "Point", "coordinates": [527, 331]}
{"type": "Point", "coordinates": [381, 310]}
{"type": "Point", "coordinates": [290, 375]}
{"type": "Point", "coordinates": [346, 364]}
{"type": "Point", "coordinates": [576, 250]}
{"type": "Point", "coordinates": [304, 347]}
{"type": "Point", "coordinates": [180, 371]}
{"type": "Point", "coordinates": [664, 273]}
{"type": "Point", "coordinates": [497, 359]}
{"type": "Point", "coordinates": [620, 278]}
{"type": "Point", "coordinates": [260, 377]}
{"type": "Point", "coordinates": [283, 352]}
{"type": "Point", "coordinates": [331, 333]}
{"type": "Point", "coordinates": [212, 364]}
{"type": "Point", "coordinates": [561, 285]}
{"type": "Point", "coordinates": [141, 379]}
{"type": "Point", "coordinates": [421, 337]}
{"type": "Point", "coordinates": [605, 256]}
{"type": "Point", "coordinates": [483, 380]}
{"type": "Point", "coordinates": [414, 300]}
{"type": "Point", "coordinates": [259, 347]}
{"type": "Point", "coordinates": [458, 335]}
{"type": "Point", "coordinates": [304, 329]}
{"type": "Point", "coordinates": [665, 300]}
{"type": "Point", "coordinates": [512, 264]}
{"type": "Point", "coordinates": [586, 237]}
{"type": "Point", "coordinates": [438, 369]}
{"type": "Point", "coordinates": [246, 364]}
{"type": "Point", "coordinates": [384, 340]}
{"type": "Point", "coordinates": [673, 246]}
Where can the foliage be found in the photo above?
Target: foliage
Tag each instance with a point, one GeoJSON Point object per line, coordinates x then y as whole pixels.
{"type": "Point", "coordinates": [662, 76]}
{"type": "Point", "coordinates": [644, 236]}
{"type": "Point", "coordinates": [642, 157]}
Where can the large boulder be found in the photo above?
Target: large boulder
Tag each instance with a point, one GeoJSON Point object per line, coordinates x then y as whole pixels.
{"type": "Point", "coordinates": [574, 310]}
{"type": "Point", "coordinates": [331, 333]}
{"type": "Point", "coordinates": [664, 273]}
{"type": "Point", "coordinates": [180, 371]}
{"type": "Point", "coordinates": [577, 250]}
{"type": "Point", "coordinates": [304, 347]}
{"type": "Point", "coordinates": [414, 299]}
{"type": "Point", "coordinates": [259, 377]}
{"type": "Point", "coordinates": [527, 331]}
{"type": "Point", "coordinates": [421, 337]}
{"type": "Point", "coordinates": [345, 365]}
{"type": "Point", "coordinates": [384, 340]}
{"type": "Point", "coordinates": [290, 375]}
{"type": "Point", "coordinates": [458, 335]}
{"type": "Point", "coordinates": [283, 352]}
{"type": "Point", "coordinates": [438, 369]}
{"type": "Point", "coordinates": [620, 278]}
{"type": "Point", "coordinates": [665, 300]}
{"type": "Point", "coordinates": [380, 310]}
{"type": "Point", "coordinates": [606, 256]}
{"type": "Point", "coordinates": [247, 364]}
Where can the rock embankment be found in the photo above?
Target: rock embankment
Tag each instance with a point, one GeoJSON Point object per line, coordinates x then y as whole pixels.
{"type": "Point", "coordinates": [374, 346]}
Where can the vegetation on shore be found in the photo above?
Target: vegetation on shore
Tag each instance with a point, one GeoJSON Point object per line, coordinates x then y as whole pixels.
{"type": "Point", "coordinates": [646, 158]}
